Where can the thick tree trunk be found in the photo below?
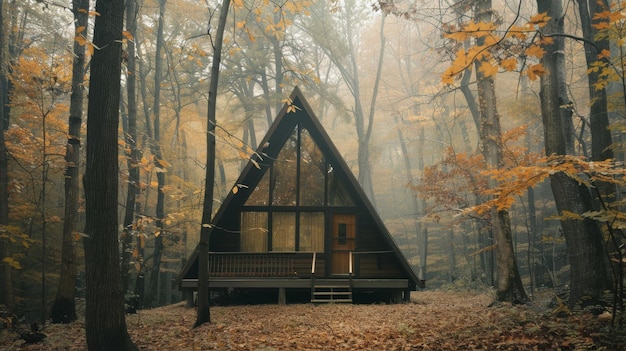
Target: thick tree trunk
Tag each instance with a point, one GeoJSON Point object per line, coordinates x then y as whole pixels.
{"type": "Point", "coordinates": [6, 284]}
{"type": "Point", "coordinates": [204, 315]}
{"type": "Point", "coordinates": [508, 281]}
{"type": "Point", "coordinates": [64, 308]}
{"type": "Point", "coordinates": [584, 242]}
{"type": "Point", "coordinates": [105, 322]}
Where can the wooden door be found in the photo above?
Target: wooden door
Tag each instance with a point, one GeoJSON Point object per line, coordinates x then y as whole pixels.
{"type": "Point", "coordinates": [343, 242]}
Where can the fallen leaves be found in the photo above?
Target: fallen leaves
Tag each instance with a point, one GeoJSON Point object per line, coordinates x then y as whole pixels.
{"type": "Point", "coordinates": [432, 321]}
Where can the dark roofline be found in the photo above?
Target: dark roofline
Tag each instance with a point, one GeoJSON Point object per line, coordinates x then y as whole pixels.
{"type": "Point", "coordinates": [297, 99]}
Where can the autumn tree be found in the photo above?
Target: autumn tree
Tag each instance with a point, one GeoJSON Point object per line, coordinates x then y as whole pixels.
{"type": "Point", "coordinates": [508, 283]}
{"type": "Point", "coordinates": [584, 242]}
{"type": "Point", "coordinates": [40, 83]}
{"type": "Point", "coordinates": [64, 308]}
{"type": "Point", "coordinates": [204, 315]}
{"type": "Point", "coordinates": [6, 284]}
{"type": "Point", "coordinates": [105, 322]}
{"type": "Point", "coordinates": [131, 149]}
{"type": "Point", "coordinates": [342, 49]}
{"type": "Point", "coordinates": [159, 162]}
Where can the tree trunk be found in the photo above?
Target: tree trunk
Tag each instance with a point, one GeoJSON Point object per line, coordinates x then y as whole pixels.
{"type": "Point", "coordinates": [105, 322]}
{"type": "Point", "coordinates": [584, 242]}
{"type": "Point", "coordinates": [64, 308]}
{"type": "Point", "coordinates": [508, 281]}
{"type": "Point", "coordinates": [132, 155]}
{"type": "Point", "coordinates": [6, 284]}
{"type": "Point", "coordinates": [204, 315]}
{"type": "Point", "coordinates": [364, 133]}
{"type": "Point", "coordinates": [160, 169]}
{"type": "Point", "coordinates": [414, 198]}
{"type": "Point", "coordinates": [451, 257]}
{"type": "Point", "coordinates": [598, 114]}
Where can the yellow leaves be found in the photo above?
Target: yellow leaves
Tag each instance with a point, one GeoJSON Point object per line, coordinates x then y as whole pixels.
{"type": "Point", "coordinates": [13, 263]}
{"type": "Point", "coordinates": [535, 71]}
{"type": "Point", "coordinates": [90, 49]}
{"type": "Point", "coordinates": [540, 19]}
{"type": "Point", "coordinates": [76, 235]}
{"type": "Point", "coordinates": [517, 32]}
{"type": "Point", "coordinates": [536, 51]}
{"type": "Point", "coordinates": [596, 67]}
{"type": "Point", "coordinates": [164, 163]}
{"type": "Point", "coordinates": [236, 188]}
{"type": "Point", "coordinates": [90, 13]}
{"type": "Point", "coordinates": [449, 183]}
{"type": "Point", "coordinates": [472, 29]}
{"type": "Point", "coordinates": [238, 3]}
{"type": "Point", "coordinates": [509, 64]}
{"type": "Point", "coordinates": [127, 35]}
{"type": "Point", "coordinates": [290, 106]}
{"type": "Point", "coordinates": [604, 54]}
{"type": "Point", "coordinates": [480, 29]}
{"type": "Point", "coordinates": [460, 36]}
{"type": "Point", "coordinates": [462, 61]}
{"type": "Point", "coordinates": [488, 69]}
{"type": "Point", "coordinates": [493, 55]}
{"type": "Point", "coordinates": [609, 17]}
{"type": "Point", "coordinates": [80, 40]}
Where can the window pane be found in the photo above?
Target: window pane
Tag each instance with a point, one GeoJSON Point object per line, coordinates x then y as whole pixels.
{"type": "Point", "coordinates": [283, 231]}
{"type": "Point", "coordinates": [312, 166]}
{"type": "Point", "coordinates": [254, 231]}
{"type": "Point", "coordinates": [342, 233]}
{"type": "Point", "coordinates": [312, 231]}
{"type": "Point", "coordinates": [261, 193]}
{"type": "Point", "coordinates": [337, 192]}
{"type": "Point", "coordinates": [285, 167]}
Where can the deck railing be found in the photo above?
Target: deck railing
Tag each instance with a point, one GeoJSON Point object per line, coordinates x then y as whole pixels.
{"type": "Point", "coordinates": [244, 264]}
{"type": "Point", "coordinates": [278, 264]}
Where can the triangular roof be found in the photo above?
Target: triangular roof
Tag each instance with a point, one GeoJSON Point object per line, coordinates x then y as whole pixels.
{"type": "Point", "coordinates": [298, 111]}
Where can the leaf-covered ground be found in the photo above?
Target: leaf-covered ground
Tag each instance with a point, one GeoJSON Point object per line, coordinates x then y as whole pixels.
{"type": "Point", "coordinates": [431, 321]}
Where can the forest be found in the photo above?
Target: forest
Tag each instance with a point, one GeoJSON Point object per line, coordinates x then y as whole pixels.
{"type": "Point", "coordinates": [488, 134]}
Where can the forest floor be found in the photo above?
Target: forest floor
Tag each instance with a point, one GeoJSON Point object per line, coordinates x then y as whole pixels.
{"type": "Point", "coordinates": [431, 321]}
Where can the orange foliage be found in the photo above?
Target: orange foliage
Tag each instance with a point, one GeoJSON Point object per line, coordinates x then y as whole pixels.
{"type": "Point", "coordinates": [37, 135]}
{"type": "Point", "coordinates": [455, 183]}
{"type": "Point", "coordinates": [497, 52]}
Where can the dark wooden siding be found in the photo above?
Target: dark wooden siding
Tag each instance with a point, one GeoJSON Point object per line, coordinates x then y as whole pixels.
{"type": "Point", "coordinates": [379, 265]}
{"type": "Point", "coordinates": [379, 261]}
{"type": "Point", "coordinates": [368, 236]}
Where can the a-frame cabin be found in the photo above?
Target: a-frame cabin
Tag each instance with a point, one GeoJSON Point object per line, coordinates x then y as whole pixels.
{"type": "Point", "coordinates": [297, 219]}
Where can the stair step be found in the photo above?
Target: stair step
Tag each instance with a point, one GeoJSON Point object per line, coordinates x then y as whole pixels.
{"type": "Point", "coordinates": [333, 293]}
{"type": "Point", "coordinates": [331, 301]}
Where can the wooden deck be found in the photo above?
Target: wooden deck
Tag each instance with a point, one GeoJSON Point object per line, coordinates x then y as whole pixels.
{"type": "Point", "coordinates": [291, 283]}
{"type": "Point", "coordinates": [366, 273]}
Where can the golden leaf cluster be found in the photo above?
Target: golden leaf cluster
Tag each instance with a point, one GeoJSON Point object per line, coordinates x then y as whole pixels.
{"type": "Point", "coordinates": [611, 26]}
{"type": "Point", "coordinates": [494, 52]}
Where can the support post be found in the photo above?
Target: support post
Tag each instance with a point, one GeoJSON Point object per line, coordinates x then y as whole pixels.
{"type": "Point", "coordinates": [188, 298]}
{"type": "Point", "coordinates": [282, 299]}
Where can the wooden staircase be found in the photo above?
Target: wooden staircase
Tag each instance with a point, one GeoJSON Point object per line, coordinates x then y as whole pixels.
{"type": "Point", "coordinates": [331, 291]}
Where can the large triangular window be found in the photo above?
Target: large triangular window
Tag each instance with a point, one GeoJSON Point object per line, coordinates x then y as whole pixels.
{"type": "Point", "coordinates": [287, 207]}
